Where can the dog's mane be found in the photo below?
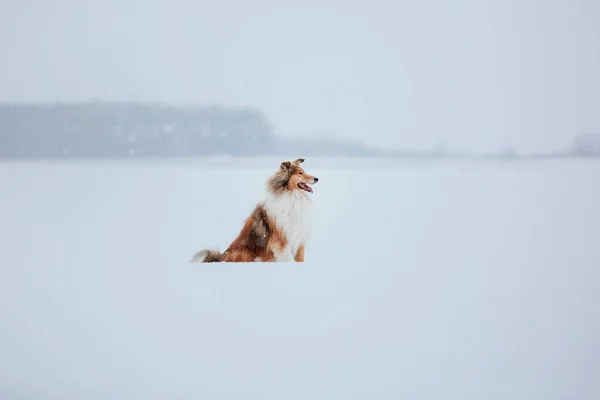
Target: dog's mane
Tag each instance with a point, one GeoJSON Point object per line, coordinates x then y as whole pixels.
{"type": "Point", "coordinates": [277, 184]}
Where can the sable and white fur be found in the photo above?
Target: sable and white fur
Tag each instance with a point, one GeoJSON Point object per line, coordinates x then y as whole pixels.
{"type": "Point", "coordinates": [279, 227]}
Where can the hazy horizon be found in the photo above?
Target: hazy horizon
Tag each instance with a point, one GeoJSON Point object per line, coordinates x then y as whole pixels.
{"type": "Point", "coordinates": [474, 76]}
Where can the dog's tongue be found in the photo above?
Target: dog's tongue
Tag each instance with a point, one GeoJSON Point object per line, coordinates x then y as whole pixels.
{"type": "Point", "coordinates": [306, 187]}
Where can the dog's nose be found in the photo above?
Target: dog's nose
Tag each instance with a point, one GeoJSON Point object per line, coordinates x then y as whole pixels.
{"type": "Point", "coordinates": [316, 180]}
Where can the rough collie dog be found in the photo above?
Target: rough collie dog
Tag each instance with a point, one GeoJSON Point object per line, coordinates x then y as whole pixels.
{"type": "Point", "coordinates": [278, 228]}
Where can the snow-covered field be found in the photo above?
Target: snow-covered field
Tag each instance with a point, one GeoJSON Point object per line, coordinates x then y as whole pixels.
{"type": "Point", "coordinates": [424, 280]}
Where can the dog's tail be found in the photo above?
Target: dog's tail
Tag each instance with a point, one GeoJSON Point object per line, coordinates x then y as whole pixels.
{"type": "Point", "coordinates": [206, 256]}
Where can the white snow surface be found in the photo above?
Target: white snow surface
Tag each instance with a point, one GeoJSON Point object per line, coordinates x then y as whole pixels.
{"type": "Point", "coordinates": [423, 280]}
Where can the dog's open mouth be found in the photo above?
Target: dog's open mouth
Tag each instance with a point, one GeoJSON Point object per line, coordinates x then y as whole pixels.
{"type": "Point", "coordinates": [304, 186]}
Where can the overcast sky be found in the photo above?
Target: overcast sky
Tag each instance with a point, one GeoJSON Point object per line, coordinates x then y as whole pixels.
{"type": "Point", "coordinates": [468, 74]}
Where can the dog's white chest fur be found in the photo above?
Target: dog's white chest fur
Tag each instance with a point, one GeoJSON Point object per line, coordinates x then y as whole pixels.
{"type": "Point", "coordinates": [291, 213]}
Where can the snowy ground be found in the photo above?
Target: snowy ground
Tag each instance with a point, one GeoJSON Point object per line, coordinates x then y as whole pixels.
{"type": "Point", "coordinates": [423, 280]}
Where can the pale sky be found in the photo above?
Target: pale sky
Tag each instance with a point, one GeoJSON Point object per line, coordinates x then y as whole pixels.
{"type": "Point", "coordinates": [464, 74]}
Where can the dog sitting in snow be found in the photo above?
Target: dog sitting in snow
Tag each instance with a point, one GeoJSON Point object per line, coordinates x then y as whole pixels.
{"type": "Point", "coordinates": [279, 226]}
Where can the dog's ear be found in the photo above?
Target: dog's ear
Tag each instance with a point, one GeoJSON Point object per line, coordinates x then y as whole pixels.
{"type": "Point", "coordinates": [299, 161]}
{"type": "Point", "coordinates": [286, 165]}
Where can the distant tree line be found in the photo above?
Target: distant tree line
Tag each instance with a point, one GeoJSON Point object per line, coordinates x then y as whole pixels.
{"type": "Point", "coordinates": [138, 130]}
{"type": "Point", "coordinates": [99, 129]}
{"type": "Point", "coordinates": [586, 145]}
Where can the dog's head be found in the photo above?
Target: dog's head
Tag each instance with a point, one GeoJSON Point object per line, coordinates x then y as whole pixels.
{"type": "Point", "coordinates": [291, 176]}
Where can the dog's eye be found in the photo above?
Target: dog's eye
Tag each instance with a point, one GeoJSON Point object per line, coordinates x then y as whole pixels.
{"type": "Point", "coordinates": [300, 173]}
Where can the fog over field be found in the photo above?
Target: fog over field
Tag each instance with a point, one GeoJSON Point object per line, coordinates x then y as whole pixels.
{"type": "Point", "coordinates": [456, 221]}
{"type": "Point", "coordinates": [461, 76]}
